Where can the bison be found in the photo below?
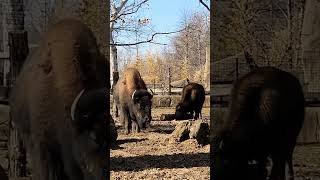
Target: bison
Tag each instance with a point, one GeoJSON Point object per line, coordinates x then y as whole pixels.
{"type": "Point", "coordinates": [193, 97]}
{"type": "Point", "coordinates": [59, 105]}
{"type": "Point", "coordinates": [3, 174]}
{"type": "Point", "coordinates": [133, 101]}
{"type": "Point", "coordinates": [265, 117]}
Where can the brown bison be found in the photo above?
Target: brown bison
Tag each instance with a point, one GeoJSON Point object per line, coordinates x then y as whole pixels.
{"type": "Point", "coordinates": [133, 101]}
{"type": "Point", "coordinates": [3, 174]}
{"type": "Point", "coordinates": [59, 105]}
{"type": "Point", "coordinates": [193, 97]}
{"type": "Point", "coordinates": [265, 117]}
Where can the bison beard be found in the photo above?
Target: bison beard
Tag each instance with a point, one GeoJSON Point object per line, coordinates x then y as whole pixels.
{"type": "Point", "coordinates": [133, 101]}
{"type": "Point", "coordinates": [59, 104]}
{"type": "Point", "coordinates": [264, 120]}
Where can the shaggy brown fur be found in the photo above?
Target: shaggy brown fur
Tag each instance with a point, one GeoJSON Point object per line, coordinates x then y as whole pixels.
{"type": "Point", "coordinates": [66, 61]}
{"type": "Point", "coordinates": [130, 114]}
{"type": "Point", "coordinates": [192, 99]}
{"type": "Point", "coordinates": [265, 117]}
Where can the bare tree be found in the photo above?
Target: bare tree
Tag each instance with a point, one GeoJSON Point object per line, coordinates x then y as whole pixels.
{"type": "Point", "coordinates": [190, 45]}
{"type": "Point", "coordinates": [267, 33]}
{"type": "Point", "coordinates": [204, 4]}
{"type": "Point", "coordinates": [130, 28]}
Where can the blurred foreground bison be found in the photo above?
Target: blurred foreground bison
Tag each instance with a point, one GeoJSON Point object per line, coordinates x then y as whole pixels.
{"type": "Point", "coordinates": [3, 175]}
{"type": "Point", "coordinates": [133, 101]}
{"type": "Point", "coordinates": [59, 102]}
{"type": "Point", "coordinates": [193, 97]}
{"type": "Point", "coordinates": [264, 120]}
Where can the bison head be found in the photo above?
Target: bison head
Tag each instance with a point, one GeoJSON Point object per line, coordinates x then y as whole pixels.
{"type": "Point", "coordinates": [89, 116]}
{"type": "Point", "coordinates": [229, 164]}
{"type": "Point", "coordinates": [182, 112]}
{"type": "Point", "coordinates": [142, 107]}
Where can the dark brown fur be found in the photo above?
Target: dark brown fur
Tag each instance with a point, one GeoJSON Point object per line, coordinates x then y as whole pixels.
{"type": "Point", "coordinates": [192, 99]}
{"type": "Point", "coordinates": [3, 175]}
{"type": "Point", "coordinates": [265, 118]}
{"type": "Point", "coordinates": [66, 61]}
{"type": "Point", "coordinates": [130, 114]}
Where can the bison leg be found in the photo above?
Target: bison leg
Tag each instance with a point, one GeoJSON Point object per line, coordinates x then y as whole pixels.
{"type": "Point", "coordinates": [116, 111]}
{"type": "Point", "coordinates": [39, 166]}
{"type": "Point", "coordinates": [198, 112]}
{"type": "Point", "coordinates": [125, 120]}
{"type": "Point", "coordinates": [70, 169]}
{"type": "Point", "coordinates": [135, 127]}
{"type": "Point", "coordinates": [127, 124]}
{"type": "Point", "coordinates": [45, 164]}
{"type": "Point", "coordinates": [196, 115]}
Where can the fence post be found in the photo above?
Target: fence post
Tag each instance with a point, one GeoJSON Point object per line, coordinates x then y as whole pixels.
{"type": "Point", "coordinates": [154, 85]}
{"type": "Point", "coordinates": [237, 68]}
{"type": "Point", "coordinates": [169, 81]}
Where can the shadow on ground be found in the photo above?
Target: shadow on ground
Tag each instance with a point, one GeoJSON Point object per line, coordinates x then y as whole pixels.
{"type": "Point", "coordinates": [133, 140]}
{"type": "Point", "coordinates": [162, 128]}
{"type": "Point", "coordinates": [140, 163]}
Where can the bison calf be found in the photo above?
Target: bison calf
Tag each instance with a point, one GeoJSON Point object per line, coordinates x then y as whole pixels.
{"type": "Point", "coordinates": [264, 120]}
{"type": "Point", "coordinates": [193, 97]}
{"type": "Point", "coordinates": [133, 101]}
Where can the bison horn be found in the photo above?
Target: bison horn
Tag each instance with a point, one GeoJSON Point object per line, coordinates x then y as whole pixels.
{"type": "Point", "coordinates": [74, 104]}
{"type": "Point", "coordinates": [133, 94]}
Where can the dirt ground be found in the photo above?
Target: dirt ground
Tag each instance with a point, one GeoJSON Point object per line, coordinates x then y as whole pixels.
{"type": "Point", "coordinates": [149, 155]}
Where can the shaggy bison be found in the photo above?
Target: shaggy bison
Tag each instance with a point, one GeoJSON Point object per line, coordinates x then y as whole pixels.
{"type": "Point", "coordinates": [59, 102]}
{"type": "Point", "coordinates": [264, 120]}
{"type": "Point", "coordinates": [193, 97]}
{"type": "Point", "coordinates": [133, 101]}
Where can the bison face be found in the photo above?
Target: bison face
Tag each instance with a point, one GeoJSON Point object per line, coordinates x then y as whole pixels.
{"type": "Point", "coordinates": [142, 107]}
{"type": "Point", "coordinates": [229, 164]}
{"type": "Point", "coordinates": [90, 119]}
{"type": "Point", "coordinates": [225, 167]}
{"type": "Point", "coordinates": [182, 112]}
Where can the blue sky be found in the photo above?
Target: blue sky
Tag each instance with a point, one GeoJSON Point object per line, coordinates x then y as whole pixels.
{"type": "Point", "coordinates": [166, 16]}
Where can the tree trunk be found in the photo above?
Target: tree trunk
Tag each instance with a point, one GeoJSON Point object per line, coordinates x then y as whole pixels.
{"type": "Point", "coordinates": [114, 64]}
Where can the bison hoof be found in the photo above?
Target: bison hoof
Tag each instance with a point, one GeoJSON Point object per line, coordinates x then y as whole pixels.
{"type": "Point", "coordinates": [135, 127]}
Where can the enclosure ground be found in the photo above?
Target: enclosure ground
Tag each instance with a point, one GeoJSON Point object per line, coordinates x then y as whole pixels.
{"type": "Point", "coordinates": [149, 155]}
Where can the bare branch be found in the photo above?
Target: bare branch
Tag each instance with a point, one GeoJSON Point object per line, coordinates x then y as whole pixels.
{"type": "Point", "coordinates": [204, 4]}
{"type": "Point", "coordinates": [283, 11]}
{"type": "Point", "coordinates": [147, 41]}
{"type": "Point", "coordinates": [132, 10]}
